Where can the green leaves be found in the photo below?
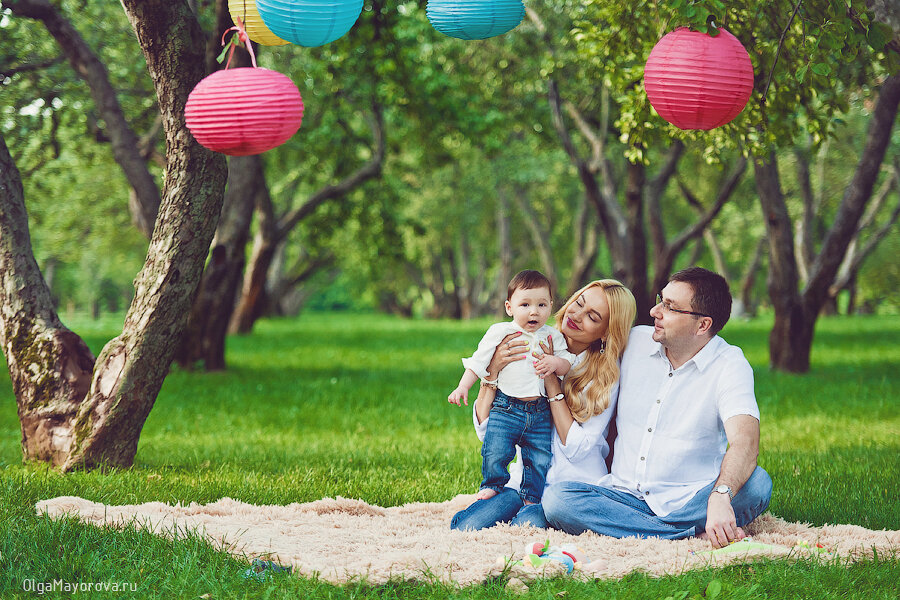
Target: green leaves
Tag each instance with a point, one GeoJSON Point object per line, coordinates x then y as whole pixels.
{"type": "Point", "coordinates": [879, 35]}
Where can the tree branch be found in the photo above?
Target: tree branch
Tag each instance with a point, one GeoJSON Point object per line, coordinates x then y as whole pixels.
{"type": "Point", "coordinates": [857, 193]}
{"type": "Point", "coordinates": [854, 260]}
{"type": "Point", "coordinates": [725, 192]}
{"type": "Point", "coordinates": [125, 143]}
{"type": "Point", "coordinates": [368, 171]}
{"type": "Point", "coordinates": [28, 67]}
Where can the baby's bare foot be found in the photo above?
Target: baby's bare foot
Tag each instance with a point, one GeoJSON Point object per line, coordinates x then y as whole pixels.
{"type": "Point", "coordinates": [485, 494]}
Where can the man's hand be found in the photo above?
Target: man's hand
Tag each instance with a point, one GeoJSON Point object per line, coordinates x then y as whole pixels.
{"type": "Point", "coordinates": [721, 526]}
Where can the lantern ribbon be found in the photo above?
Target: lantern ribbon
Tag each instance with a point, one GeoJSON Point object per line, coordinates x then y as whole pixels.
{"type": "Point", "coordinates": [243, 37]}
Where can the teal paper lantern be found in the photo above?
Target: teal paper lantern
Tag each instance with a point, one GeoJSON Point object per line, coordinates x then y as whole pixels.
{"type": "Point", "coordinates": [309, 22]}
{"type": "Point", "coordinates": [474, 19]}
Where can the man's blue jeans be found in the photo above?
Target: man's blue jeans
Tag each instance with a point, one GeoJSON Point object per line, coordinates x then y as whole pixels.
{"type": "Point", "coordinates": [505, 507]}
{"type": "Point", "coordinates": [526, 424]}
{"type": "Point", "coordinates": [576, 507]}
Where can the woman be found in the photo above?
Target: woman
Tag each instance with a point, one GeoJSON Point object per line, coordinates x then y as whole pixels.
{"type": "Point", "coordinates": [596, 322]}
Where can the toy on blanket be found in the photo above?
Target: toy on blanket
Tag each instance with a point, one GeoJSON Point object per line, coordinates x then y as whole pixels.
{"type": "Point", "coordinates": [747, 544]}
{"type": "Point", "coordinates": [546, 559]}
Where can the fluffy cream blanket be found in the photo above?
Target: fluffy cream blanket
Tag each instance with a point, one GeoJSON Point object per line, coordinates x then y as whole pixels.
{"type": "Point", "coordinates": [341, 539]}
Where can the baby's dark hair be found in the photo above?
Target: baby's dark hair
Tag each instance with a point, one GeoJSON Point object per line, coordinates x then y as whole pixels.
{"type": "Point", "coordinates": [528, 280]}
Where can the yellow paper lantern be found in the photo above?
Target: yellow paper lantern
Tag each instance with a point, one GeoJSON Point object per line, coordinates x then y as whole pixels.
{"type": "Point", "coordinates": [246, 10]}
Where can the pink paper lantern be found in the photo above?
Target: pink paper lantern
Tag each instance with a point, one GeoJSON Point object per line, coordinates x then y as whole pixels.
{"type": "Point", "coordinates": [696, 81]}
{"type": "Point", "coordinates": [244, 111]}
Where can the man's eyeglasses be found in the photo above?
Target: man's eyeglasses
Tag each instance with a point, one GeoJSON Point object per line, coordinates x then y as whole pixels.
{"type": "Point", "coordinates": [668, 308]}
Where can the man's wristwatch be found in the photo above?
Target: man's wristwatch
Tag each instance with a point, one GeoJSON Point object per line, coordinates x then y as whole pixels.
{"type": "Point", "coordinates": [557, 398]}
{"type": "Point", "coordinates": [724, 489]}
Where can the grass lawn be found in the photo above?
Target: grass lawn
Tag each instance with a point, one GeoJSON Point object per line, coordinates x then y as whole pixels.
{"type": "Point", "coordinates": [335, 404]}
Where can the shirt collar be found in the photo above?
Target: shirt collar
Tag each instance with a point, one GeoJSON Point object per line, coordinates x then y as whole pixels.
{"type": "Point", "coordinates": [702, 359]}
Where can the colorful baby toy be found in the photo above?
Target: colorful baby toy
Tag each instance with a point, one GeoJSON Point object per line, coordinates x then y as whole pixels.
{"type": "Point", "coordinates": [542, 557]}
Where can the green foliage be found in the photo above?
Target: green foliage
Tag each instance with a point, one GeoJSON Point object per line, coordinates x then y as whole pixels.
{"type": "Point", "coordinates": [466, 123]}
{"type": "Point", "coordinates": [321, 406]}
{"type": "Point", "coordinates": [805, 65]}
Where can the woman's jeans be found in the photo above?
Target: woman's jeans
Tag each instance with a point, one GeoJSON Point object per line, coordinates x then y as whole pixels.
{"type": "Point", "coordinates": [505, 507]}
{"type": "Point", "coordinates": [576, 507]}
{"type": "Point", "coordinates": [526, 424]}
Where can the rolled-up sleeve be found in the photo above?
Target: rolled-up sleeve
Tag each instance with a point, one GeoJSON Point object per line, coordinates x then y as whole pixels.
{"type": "Point", "coordinates": [583, 437]}
{"type": "Point", "coordinates": [479, 361]}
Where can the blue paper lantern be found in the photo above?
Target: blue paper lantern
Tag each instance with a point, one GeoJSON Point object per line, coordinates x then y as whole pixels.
{"type": "Point", "coordinates": [474, 19]}
{"type": "Point", "coordinates": [309, 22]}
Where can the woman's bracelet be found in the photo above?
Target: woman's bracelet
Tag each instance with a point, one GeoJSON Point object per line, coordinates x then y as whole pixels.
{"type": "Point", "coordinates": [489, 384]}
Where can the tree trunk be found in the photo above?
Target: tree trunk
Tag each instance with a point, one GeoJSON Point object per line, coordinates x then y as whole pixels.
{"type": "Point", "coordinates": [50, 367]}
{"type": "Point", "coordinates": [795, 314]}
{"type": "Point", "coordinates": [636, 243]}
{"type": "Point", "coordinates": [131, 368]}
{"type": "Point", "coordinates": [788, 338]}
{"type": "Point", "coordinates": [504, 250]}
{"type": "Point", "coordinates": [104, 427]}
{"type": "Point", "coordinates": [540, 238]}
{"type": "Point", "coordinates": [584, 251]}
{"type": "Point", "coordinates": [748, 281]}
{"type": "Point", "coordinates": [204, 340]}
{"type": "Point", "coordinates": [254, 300]}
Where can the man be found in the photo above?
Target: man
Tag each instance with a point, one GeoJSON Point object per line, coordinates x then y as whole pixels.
{"type": "Point", "coordinates": [688, 430]}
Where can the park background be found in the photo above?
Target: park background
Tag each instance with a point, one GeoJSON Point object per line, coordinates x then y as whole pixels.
{"type": "Point", "coordinates": [373, 247]}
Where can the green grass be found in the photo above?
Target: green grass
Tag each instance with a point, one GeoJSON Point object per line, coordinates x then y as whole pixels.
{"type": "Point", "coordinates": [350, 405]}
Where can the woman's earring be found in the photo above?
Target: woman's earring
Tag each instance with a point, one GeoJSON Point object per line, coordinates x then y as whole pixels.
{"type": "Point", "coordinates": [602, 346]}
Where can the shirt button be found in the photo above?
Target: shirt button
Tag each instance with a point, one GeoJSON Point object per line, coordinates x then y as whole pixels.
{"type": "Point", "coordinates": [646, 493]}
{"type": "Point", "coordinates": [670, 373]}
{"type": "Point", "coordinates": [658, 400]}
{"type": "Point", "coordinates": [642, 458]}
{"type": "Point", "coordinates": [649, 429]}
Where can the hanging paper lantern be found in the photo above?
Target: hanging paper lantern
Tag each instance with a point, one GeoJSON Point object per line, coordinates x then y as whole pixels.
{"type": "Point", "coordinates": [697, 81]}
{"type": "Point", "coordinates": [309, 22]}
{"type": "Point", "coordinates": [246, 11]}
{"type": "Point", "coordinates": [474, 19]}
{"type": "Point", "coordinates": [244, 111]}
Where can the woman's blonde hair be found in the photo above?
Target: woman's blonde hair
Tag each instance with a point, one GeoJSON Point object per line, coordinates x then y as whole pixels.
{"type": "Point", "coordinates": [588, 385]}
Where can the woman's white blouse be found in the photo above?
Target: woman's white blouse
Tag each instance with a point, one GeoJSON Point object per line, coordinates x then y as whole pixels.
{"type": "Point", "coordinates": [581, 458]}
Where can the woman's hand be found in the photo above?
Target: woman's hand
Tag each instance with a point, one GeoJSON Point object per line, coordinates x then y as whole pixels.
{"type": "Point", "coordinates": [546, 347]}
{"type": "Point", "coordinates": [509, 350]}
{"type": "Point", "coordinates": [559, 411]}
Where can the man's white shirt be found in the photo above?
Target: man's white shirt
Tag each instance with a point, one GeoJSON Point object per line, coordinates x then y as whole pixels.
{"type": "Point", "coordinates": [671, 434]}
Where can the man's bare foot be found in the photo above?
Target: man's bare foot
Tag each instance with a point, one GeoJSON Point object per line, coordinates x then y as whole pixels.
{"type": "Point", "coordinates": [485, 494]}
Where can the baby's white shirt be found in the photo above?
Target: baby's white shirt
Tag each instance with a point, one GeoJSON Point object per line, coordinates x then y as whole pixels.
{"type": "Point", "coordinates": [518, 379]}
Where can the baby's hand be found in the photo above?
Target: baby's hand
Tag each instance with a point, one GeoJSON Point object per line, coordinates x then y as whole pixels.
{"type": "Point", "coordinates": [548, 364]}
{"type": "Point", "coordinates": [457, 395]}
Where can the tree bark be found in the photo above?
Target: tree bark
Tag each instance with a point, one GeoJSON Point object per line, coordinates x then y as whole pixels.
{"type": "Point", "coordinates": [145, 197]}
{"type": "Point", "coordinates": [790, 333]}
{"type": "Point", "coordinates": [130, 369]}
{"type": "Point", "coordinates": [204, 339]}
{"type": "Point", "coordinates": [790, 341]}
{"type": "Point", "coordinates": [50, 367]}
{"type": "Point", "coordinates": [65, 420]}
